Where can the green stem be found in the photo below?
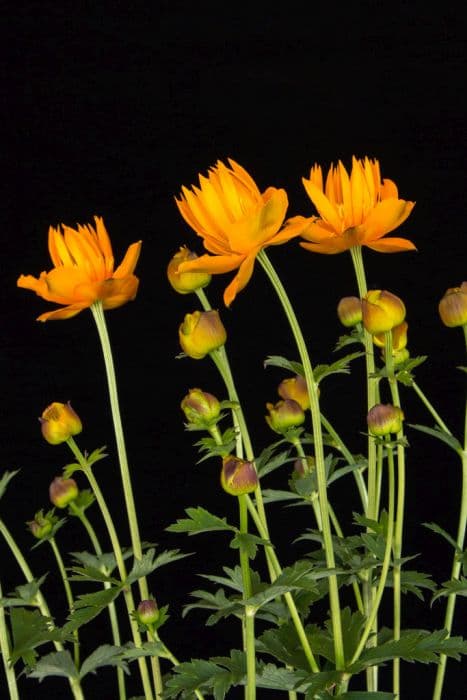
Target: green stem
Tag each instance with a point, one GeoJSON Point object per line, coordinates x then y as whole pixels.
{"type": "Point", "coordinates": [319, 455]}
{"type": "Point", "coordinates": [99, 318]}
{"type": "Point", "coordinates": [250, 611]}
{"type": "Point", "coordinates": [68, 594]}
{"type": "Point", "coordinates": [457, 565]}
{"type": "Point", "coordinates": [5, 653]}
{"type": "Point", "coordinates": [341, 446]}
{"type": "Point", "coordinates": [430, 407]}
{"type": "Point", "coordinates": [75, 684]}
{"type": "Point", "coordinates": [79, 513]}
{"type": "Point", "coordinates": [376, 601]}
{"type": "Point", "coordinates": [118, 553]}
{"type": "Point", "coordinates": [399, 525]}
{"type": "Point", "coordinates": [372, 392]}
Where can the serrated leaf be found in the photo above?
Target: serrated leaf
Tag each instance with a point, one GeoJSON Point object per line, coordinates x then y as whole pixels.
{"type": "Point", "coordinates": [370, 695]}
{"type": "Point", "coordinates": [355, 336]}
{"type": "Point", "coordinates": [29, 630]}
{"type": "Point", "coordinates": [147, 564]}
{"type": "Point", "coordinates": [440, 531]}
{"type": "Point", "coordinates": [412, 581]}
{"type": "Point", "coordinates": [275, 495]}
{"type": "Point", "coordinates": [84, 499]}
{"type": "Point", "coordinates": [131, 652]}
{"type": "Point", "coordinates": [439, 435]}
{"type": "Point", "coordinates": [266, 466]}
{"type": "Point", "coordinates": [200, 520]}
{"type": "Point", "coordinates": [217, 601]}
{"type": "Point", "coordinates": [90, 605]}
{"type": "Point", "coordinates": [105, 655]}
{"type": "Point", "coordinates": [284, 363]}
{"type": "Point", "coordinates": [404, 370]}
{"type": "Point", "coordinates": [283, 643]}
{"type": "Point", "coordinates": [454, 586]}
{"type": "Point", "coordinates": [340, 366]}
{"type": "Point", "coordinates": [5, 480]}
{"type": "Point", "coordinates": [25, 594]}
{"type": "Point", "coordinates": [202, 675]}
{"type": "Point", "coordinates": [296, 577]}
{"type": "Point", "coordinates": [248, 543]}
{"type": "Point", "coordinates": [272, 677]}
{"type": "Point", "coordinates": [57, 663]}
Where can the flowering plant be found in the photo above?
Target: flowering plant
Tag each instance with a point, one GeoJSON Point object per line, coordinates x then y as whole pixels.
{"type": "Point", "coordinates": [328, 623]}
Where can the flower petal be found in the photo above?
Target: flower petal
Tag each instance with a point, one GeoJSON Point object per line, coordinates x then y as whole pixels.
{"type": "Point", "coordinates": [213, 264]}
{"type": "Point", "coordinates": [241, 279]}
{"type": "Point", "coordinates": [323, 206]}
{"type": "Point", "coordinates": [63, 313]}
{"type": "Point", "coordinates": [391, 245]}
{"type": "Point", "coordinates": [385, 217]}
{"type": "Point", "coordinates": [128, 264]}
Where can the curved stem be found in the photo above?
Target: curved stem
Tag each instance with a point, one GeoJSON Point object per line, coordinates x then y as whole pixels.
{"type": "Point", "coordinates": [99, 318]}
{"type": "Point", "coordinates": [456, 566]}
{"type": "Point", "coordinates": [118, 553]}
{"type": "Point", "coordinates": [75, 684]}
{"type": "Point", "coordinates": [319, 455]}
{"type": "Point", "coordinates": [5, 654]}
{"type": "Point", "coordinates": [427, 403]}
{"type": "Point", "coordinates": [68, 593]}
{"type": "Point", "coordinates": [79, 513]}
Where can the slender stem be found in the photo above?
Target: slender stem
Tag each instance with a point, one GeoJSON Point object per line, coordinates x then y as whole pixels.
{"type": "Point", "coordinates": [249, 615]}
{"type": "Point", "coordinates": [68, 594]}
{"type": "Point", "coordinates": [99, 318]}
{"type": "Point", "coordinates": [376, 601]}
{"type": "Point", "coordinates": [118, 553]}
{"type": "Point", "coordinates": [341, 446]}
{"type": "Point", "coordinates": [319, 455]}
{"type": "Point", "coordinates": [399, 525]}
{"type": "Point", "coordinates": [79, 513]}
{"type": "Point", "coordinates": [75, 684]}
{"type": "Point", "coordinates": [372, 392]}
{"type": "Point", "coordinates": [5, 653]}
{"type": "Point", "coordinates": [430, 407]}
{"type": "Point", "coordinates": [457, 565]}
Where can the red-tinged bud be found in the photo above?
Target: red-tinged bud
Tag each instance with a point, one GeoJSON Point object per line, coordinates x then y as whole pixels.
{"type": "Point", "coordinates": [59, 422]}
{"type": "Point", "coordinates": [294, 388]}
{"type": "Point", "coordinates": [383, 419]}
{"type": "Point", "coordinates": [304, 465]}
{"type": "Point", "coordinates": [381, 311]}
{"type": "Point", "coordinates": [147, 612]}
{"type": "Point", "coordinates": [63, 491]}
{"type": "Point", "coordinates": [284, 415]}
{"type": "Point", "coordinates": [349, 311]}
{"type": "Point", "coordinates": [201, 409]}
{"type": "Point", "coordinates": [453, 306]}
{"type": "Point", "coordinates": [238, 476]}
{"type": "Point", "coordinates": [185, 282]}
{"type": "Point", "coordinates": [42, 525]}
{"type": "Point", "coordinates": [200, 333]}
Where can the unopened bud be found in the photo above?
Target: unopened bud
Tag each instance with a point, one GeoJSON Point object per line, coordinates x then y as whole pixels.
{"type": "Point", "coordinates": [453, 306]}
{"type": "Point", "coordinates": [59, 422]}
{"type": "Point", "coordinates": [201, 409]}
{"type": "Point", "coordinates": [294, 388]}
{"type": "Point", "coordinates": [63, 491]}
{"type": "Point", "coordinates": [349, 310]}
{"type": "Point", "coordinates": [42, 525]}
{"type": "Point", "coordinates": [200, 333]}
{"type": "Point", "coordinates": [147, 612]}
{"type": "Point", "coordinates": [284, 415]}
{"type": "Point", "coordinates": [381, 311]}
{"type": "Point", "coordinates": [383, 419]}
{"type": "Point", "coordinates": [238, 476]}
{"type": "Point", "coordinates": [185, 282]}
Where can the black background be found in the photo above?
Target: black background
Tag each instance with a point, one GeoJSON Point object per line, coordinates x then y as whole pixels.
{"type": "Point", "coordinates": [109, 111]}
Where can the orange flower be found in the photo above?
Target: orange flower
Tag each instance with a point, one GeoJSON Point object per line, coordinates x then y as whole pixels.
{"type": "Point", "coordinates": [83, 272]}
{"type": "Point", "coordinates": [353, 211]}
{"type": "Point", "coordinates": [235, 221]}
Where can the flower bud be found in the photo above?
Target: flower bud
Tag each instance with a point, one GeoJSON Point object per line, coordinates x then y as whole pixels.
{"type": "Point", "coordinates": [294, 388]}
{"type": "Point", "coordinates": [284, 415]}
{"type": "Point", "coordinates": [185, 282]}
{"type": "Point", "coordinates": [383, 419]}
{"type": "Point", "coordinates": [200, 333]}
{"type": "Point", "coordinates": [147, 612]}
{"type": "Point", "coordinates": [63, 491]}
{"type": "Point", "coordinates": [381, 311]}
{"type": "Point", "coordinates": [59, 422]}
{"type": "Point", "coordinates": [303, 466]}
{"type": "Point", "coordinates": [349, 310]}
{"type": "Point", "coordinates": [398, 338]}
{"type": "Point", "coordinates": [453, 306]}
{"type": "Point", "coordinates": [201, 409]}
{"type": "Point", "coordinates": [42, 524]}
{"type": "Point", "coordinates": [238, 476]}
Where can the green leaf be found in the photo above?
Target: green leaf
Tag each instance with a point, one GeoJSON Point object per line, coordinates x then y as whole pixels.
{"type": "Point", "coordinates": [284, 645]}
{"type": "Point", "coordinates": [296, 577]}
{"type": "Point", "coordinates": [248, 543]}
{"type": "Point", "coordinates": [105, 655]}
{"type": "Point", "coordinates": [218, 601]}
{"type": "Point", "coordinates": [404, 370]}
{"type": "Point", "coordinates": [5, 480]}
{"type": "Point", "coordinates": [284, 363]}
{"type": "Point", "coordinates": [440, 435]}
{"type": "Point", "coordinates": [90, 605]}
{"type": "Point", "coordinates": [96, 455]}
{"type": "Point", "coordinates": [200, 520]}
{"type": "Point", "coordinates": [147, 564]}
{"type": "Point", "coordinates": [271, 463]}
{"type": "Point", "coordinates": [355, 336]}
{"type": "Point", "coordinates": [29, 630]}
{"type": "Point", "coordinates": [275, 495]}
{"type": "Point", "coordinates": [341, 366]}
{"type": "Point", "coordinates": [412, 582]}
{"type": "Point", "coordinates": [211, 448]}
{"type": "Point", "coordinates": [363, 695]}
{"type": "Point", "coordinates": [457, 586]}
{"type": "Point", "coordinates": [233, 578]}
{"type": "Point", "coordinates": [278, 678]}
{"type": "Point", "coordinates": [25, 594]}
{"type": "Point", "coordinates": [57, 663]}
{"type": "Point", "coordinates": [205, 676]}
{"type": "Point", "coordinates": [84, 499]}
{"type": "Point", "coordinates": [439, 530]}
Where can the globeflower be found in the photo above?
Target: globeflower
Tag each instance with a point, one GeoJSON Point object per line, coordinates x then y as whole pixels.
{"type": "Point", "coordinates": [235, 220]}
{"type": "Point", "coordinates": [238, 476]}
{"type": "Point", "coordinates": [354, 210]}
{"type": "Point", "coordinates": [83, 272]}
{"type": "Point", "coordinates": [453, 306]}
{"type": "Point", "coordinates": [200, 333]}
{"type": "Point", "coordinates": [185, 282]}
{"type": "Point", "coordinates": [381, 311]}
{"type": "Point", "coordinates": [59, 423]}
